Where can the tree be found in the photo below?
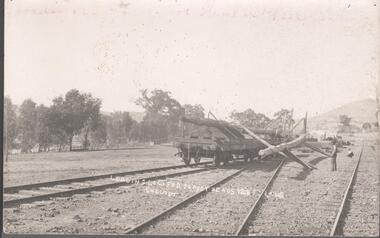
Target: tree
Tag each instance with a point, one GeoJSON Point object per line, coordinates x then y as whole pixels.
{"type": "Point", "coordinates": [194, 111]}
{"type": "Point", "coordinates": [249, 118]}
{"type": "Point", "coordinates": [43, 134]}
{"type": "Point", "coordinates": [160, 102]}
{"type": "Point", "coordinates": [27, 125]}
{"type": "Point", "coordinates": [92, 112]}
{"type": "Point", "coordinates": [10, 124]}
{"type": "Point", "coordinates": [119, 126]}
{"type": "Point", "coordinates": [77, 112]}
{"type": "Point", "coordinates": [283, 119]}
{"type": "Point", "coordinates": [162, 114]}
{"type": "Point", "coordinates": [284, 114]}
{"type": "Point", "coordinates": [55, 123]}
{"type": "Point", "coordinates": [345, 123]}
{"type": "Point", "coordinates": [156, 128]}
{"type": "Point", "coordinates": [135, 133]}
{"type": "Point", "coordinates": [345, 120]}
{"type": "Point", "coordinates": [99, 135]}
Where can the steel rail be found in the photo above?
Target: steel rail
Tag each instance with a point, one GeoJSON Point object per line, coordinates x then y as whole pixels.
{"type": "Point", "coordinates": [346, 195]}
{"type": "Point", "coordinates": [14, 189]}
{"type": "Point", "coordinates": [242, 229]}
{"type": "Point", "coordinates": [15, 202]}
{"type": "Point", "coordinates": [153, 219]}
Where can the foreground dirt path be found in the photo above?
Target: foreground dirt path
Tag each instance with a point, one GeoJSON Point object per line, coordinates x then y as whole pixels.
{"type": "Point", "coordinates": [311, 198]}
{"type": "Point", "coordinates": [113, 211]}
{"type": "Point", "coordinates": [362, 217]}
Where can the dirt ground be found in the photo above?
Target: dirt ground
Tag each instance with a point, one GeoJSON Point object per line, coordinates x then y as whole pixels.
{"type": "Point", "coordinates": [310, 201]}
{"type": "Point", "coordinates": [312, 198]}
{"type": "Point", "coordinates": [225, 208]}
{"type": "Point", "coordinates": [301, 202]}
{"type": "Point", "coordinates": [114, 211]}
{"type": "Point", "coordinates": [362, 216]}
{"type": "Point", "coordinates": [41, 167]}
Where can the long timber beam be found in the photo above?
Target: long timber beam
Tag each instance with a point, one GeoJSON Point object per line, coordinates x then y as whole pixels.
{"type": "Point", "coordinates": [316, 149]}
{"type": "Point", "coordinates": [279, 148]}
{"type": "Point", "coordinates": [287, 153]}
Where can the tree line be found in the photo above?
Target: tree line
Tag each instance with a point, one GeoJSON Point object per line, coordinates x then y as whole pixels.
{"type": "Point", "coordinates": [78, 114]}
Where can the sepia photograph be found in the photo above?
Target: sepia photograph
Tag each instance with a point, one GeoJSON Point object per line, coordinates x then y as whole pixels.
{"type": "Point", "coordinates": [191, 118]}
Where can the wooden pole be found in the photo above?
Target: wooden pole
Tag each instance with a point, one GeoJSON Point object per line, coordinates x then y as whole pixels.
{"type": "Point", "coordinates": [316, 149]}
{"type": "Point", "coordinates": [295, 125]}
{"type": "Point", "coordinates": [287, 153]}
{"type": "Point", "coordinates": [290, 123]}
{"type": "Point", "coordinates": [305, 124]}
{"type": "Point", "coordinates": [296, 159]}
{"type": "Point", "coordinates": [278, 148]}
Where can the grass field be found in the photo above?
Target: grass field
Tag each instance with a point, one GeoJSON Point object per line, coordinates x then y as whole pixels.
{"type": "Point", "coordinates": [39, 167]}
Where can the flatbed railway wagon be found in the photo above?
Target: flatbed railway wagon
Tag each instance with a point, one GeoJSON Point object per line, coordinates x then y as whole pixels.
{"type": "Point", "coordinates": [220, 140]}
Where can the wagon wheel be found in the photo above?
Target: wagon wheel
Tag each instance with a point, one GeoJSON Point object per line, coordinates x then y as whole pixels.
{"type": "Point", "coordinates": [217, 158]}
{"type": "Point", "coordinates": [217, 161]}
{"type": "Point", "coordinates": [227, 156]}
{"type": "Point", "coordinates": [197, 159]}
{"type": "Point", "coordinates": [246, 158]}
{"type": "Point", "coordinates": [252, 155]}
{"type": "Point", "coordinates": [185, 158]}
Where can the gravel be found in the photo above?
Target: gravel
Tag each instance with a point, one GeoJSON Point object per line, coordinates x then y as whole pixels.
{"type": "Point", "coordinates": [221, 211]}
{"type": "Point", "coordinates": [108, 212]}
{"type": "Point", "coordinates": [311, 198]}
{"type": "Point", "coordinates": [362, 217]}
{"type": "Point", "coordinates": [300, 202]}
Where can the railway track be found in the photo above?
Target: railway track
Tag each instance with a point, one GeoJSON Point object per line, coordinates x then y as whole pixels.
{"type": "Point", "coordinates": [138, 228]}
{"type": "Point", "coordinates": [242, 230]}
{"type": "Point", "coordinates": [361, 218]}
{"type": "Point", "coordinates": [220, 184]}
{"type": "Point", "coordinates": [322, 214]}
{"type": "Point", "coordinates": [28, 193]}
{"type": "Point", "coordinates": [339, 217]}
{"type": "Point", "coordinates": [335, 204]}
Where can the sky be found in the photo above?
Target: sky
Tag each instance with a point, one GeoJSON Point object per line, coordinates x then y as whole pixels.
{"type": "Point", "coordinates": [311, 56]}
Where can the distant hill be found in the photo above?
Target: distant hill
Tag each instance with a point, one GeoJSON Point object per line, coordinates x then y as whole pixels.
{"type": "Point", "coordinates": [361, 111]}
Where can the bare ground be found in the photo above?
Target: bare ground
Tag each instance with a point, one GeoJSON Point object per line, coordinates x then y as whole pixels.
{"type": "Point", "coordinates": [114, 211]}
{"type": "Point", "coordinates": [306, 205]}
{"type": "Point", "coordinates": [219, 212]}
{"type": "Point", "coordinates": [311, 199]}
{"type": "Point", "coordinates": [41, 167]}
{"type": "Point", "coordinates": [362, 217]}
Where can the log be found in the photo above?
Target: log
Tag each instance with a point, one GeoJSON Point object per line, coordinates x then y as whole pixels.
{"type": "Point", "coordinates": [295, 125]}
{"type": "Point", "coordinates": [255, 136]}
{"type": "Point", "coordinates": [278, 148]}
{"type": "Point", "coordinates": [264, 132]}
{"type": "Point", "coordinates": [224, 127]}
{"type": "Point", "coordinates": [205, 122]}
{"type": "Point", "coordinates": [231, 129]}
{"type": "Point", "coordinates": [316, 149]}
{"type": "Point", "coordinates": [296, 159]}
{"type": "Point", "coordinates": [287, 153]}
